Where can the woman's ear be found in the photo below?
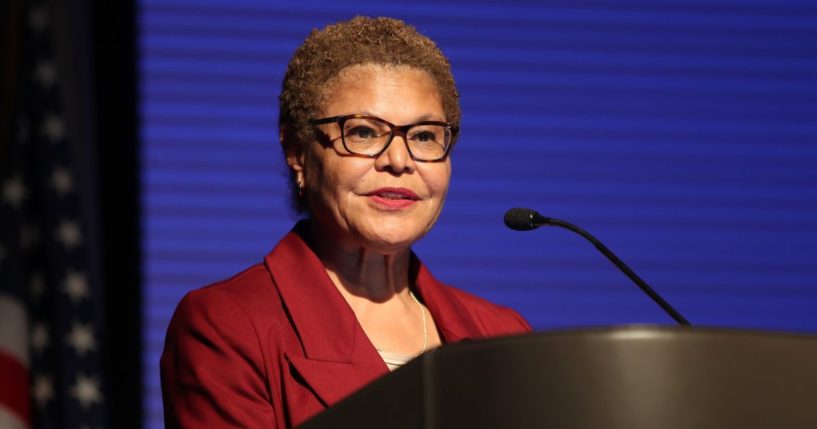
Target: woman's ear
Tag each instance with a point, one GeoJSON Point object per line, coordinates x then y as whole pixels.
{"type": "Point", "coordinates": [292, 150]}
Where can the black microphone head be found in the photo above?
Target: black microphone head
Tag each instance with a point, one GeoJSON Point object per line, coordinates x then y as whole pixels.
{"type": "Point", "coordinates": [520, 219]}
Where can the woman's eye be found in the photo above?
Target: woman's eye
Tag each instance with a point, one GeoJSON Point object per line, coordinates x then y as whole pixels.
{"type": "Point", "coordinates": [361, 133]}
{"type": "Point", "coordinates": [424, 137]}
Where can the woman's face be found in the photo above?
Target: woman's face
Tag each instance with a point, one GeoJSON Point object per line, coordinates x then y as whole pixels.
{"type": "Point", "coordinates": [384, 203]}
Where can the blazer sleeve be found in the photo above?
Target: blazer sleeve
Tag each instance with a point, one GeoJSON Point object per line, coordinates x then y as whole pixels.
{"type": "Point", "coordinates": [212, 367]}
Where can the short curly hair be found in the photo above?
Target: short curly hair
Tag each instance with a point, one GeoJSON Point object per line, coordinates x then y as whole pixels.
{"type": "Point", "coordinates": [359, 41]}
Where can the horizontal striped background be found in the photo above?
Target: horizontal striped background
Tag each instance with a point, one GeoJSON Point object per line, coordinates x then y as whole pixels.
{"type": "Point", "coordinates": [682, 133]}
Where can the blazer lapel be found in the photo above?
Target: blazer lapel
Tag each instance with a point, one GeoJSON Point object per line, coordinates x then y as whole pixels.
{"type": "Point", "coordinates": [337, 357]}
{"type": "Point", "coordinates": [333, 381]}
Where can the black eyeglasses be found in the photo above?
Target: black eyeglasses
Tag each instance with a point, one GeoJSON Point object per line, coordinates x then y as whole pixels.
{"type": "Point", "coordinates": [366, 135]}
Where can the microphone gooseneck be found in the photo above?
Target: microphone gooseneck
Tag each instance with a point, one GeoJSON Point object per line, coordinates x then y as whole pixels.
{"type": "Point", "coordinates": [522, 219]}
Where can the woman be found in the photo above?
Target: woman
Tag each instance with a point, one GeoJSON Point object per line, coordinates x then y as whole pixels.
{"type": "Point", "coordinates": [368, 118]}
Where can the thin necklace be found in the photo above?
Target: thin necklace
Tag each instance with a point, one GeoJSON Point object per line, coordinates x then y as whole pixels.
{"type": "Point", "coordinates": [425, 323]}
{"type": "Point", "coordinates": [425, 326]}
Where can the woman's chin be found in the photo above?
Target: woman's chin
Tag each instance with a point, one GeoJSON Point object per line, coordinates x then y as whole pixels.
{"type": "Point", "coordinates": [384, 240]}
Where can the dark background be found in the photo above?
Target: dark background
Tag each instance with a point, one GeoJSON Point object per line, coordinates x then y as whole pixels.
{"type": "Point", "coordinates": [113, 40]}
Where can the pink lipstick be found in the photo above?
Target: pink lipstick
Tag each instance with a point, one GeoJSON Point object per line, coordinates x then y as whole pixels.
{"type": "Point", "coordinates": [393, 198]}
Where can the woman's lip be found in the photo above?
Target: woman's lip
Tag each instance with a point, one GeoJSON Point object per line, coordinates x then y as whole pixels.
{"type": "Point", "coordinates": [394, 194]}
{"type": "Point", "coordinates": [393, 198]}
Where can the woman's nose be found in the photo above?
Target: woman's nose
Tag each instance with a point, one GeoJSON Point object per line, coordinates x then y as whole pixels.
{"type": "Point", "coordinates": [396, 157]}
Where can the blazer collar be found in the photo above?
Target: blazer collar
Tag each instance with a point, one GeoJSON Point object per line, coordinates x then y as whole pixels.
{"type": "Point", "coordinates": [326, 325]}
{"type": "Point", "coordinates": [338, 357]}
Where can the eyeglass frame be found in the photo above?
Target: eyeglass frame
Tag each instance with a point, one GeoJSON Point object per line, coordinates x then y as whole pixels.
{"type": "Point", "coordinates": [395, 130]}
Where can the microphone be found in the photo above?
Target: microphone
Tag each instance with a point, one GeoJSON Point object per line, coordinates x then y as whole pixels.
{"type": "Point", "coordinates": [521, 219]}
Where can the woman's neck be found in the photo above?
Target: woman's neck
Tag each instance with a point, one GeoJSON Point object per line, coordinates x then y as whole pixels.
{"type": "Point", "coordinates": [364, 273]}
{"type": "Point", "coordinates": [376, 285]}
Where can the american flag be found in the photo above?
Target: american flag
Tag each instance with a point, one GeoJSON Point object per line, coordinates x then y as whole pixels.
{"type": "Point", "coordinates": [50, 330]}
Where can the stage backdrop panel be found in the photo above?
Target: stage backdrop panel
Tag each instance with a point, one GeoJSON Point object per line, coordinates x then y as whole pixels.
{"type": "Point", "coordinates": [682, 133]}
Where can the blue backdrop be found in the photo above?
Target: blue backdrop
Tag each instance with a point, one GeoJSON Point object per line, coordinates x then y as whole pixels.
{"type": "Point", "coordinates": [682, 133]}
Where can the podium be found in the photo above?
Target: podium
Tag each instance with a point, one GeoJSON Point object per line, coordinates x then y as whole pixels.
{"type": "Point", "coordinates": [627, 377]}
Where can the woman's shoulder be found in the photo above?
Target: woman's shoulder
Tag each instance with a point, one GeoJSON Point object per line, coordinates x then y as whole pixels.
{"type": "Point", "coordinates": [472, 312]}
{"type": "Point", "coordinates": [251, 292]}
{"type": "Point", "coordinates": [216, 352]}
{"type": "Point", "coordinates": [243, 286]}
{"type": "Point", "coordinates": [495, 318]}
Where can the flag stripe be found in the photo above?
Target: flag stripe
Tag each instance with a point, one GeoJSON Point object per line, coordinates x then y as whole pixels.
{"type": "Point", "coordinates": [14, 398]}
{"type": "Point", "coordinates": [10, 421]}
{"type": "Point", "coordinates": [13, 340]}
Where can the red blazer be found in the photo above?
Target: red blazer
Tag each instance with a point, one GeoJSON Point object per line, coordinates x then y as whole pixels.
{"type": "Point", "coordinates": [277, 343]}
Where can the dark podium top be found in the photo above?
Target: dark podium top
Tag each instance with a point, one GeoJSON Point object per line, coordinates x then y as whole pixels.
{"type": "Point", "coordinates": [631, 377]}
